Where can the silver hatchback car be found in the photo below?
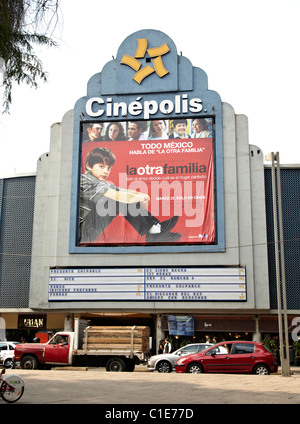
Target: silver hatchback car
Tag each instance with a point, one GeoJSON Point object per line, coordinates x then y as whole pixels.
{"type": "Point", "coordinates": [165, 362]}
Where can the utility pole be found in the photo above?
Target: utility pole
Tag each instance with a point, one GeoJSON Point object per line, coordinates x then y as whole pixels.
{"type": "Point", "coordinates": [279, 255]}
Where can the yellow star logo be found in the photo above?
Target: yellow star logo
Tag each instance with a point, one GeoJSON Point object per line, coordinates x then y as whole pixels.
{"type": "Point", "coordinates": [156, 53]}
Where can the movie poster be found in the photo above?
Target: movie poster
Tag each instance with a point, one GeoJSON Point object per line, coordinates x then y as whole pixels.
{"type": "Point", "coordinates": [147, 182]}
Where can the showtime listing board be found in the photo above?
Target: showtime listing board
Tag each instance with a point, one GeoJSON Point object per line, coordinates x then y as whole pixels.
{"type": "Point", "coordinates": [147, 284]}
{"type": "Point", "coordinates": [147, 182]}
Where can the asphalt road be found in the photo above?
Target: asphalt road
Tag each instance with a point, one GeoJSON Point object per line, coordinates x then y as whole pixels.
{"type": "Point", "coordinates": [96, 386]}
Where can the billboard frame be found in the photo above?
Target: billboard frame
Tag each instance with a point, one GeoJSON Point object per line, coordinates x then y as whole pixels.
{"type": "Point", "coordinates": [219, 191]}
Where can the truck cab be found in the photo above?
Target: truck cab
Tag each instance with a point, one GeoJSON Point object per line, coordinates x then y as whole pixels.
{"type": "Point", "coordinates": [57, 351]}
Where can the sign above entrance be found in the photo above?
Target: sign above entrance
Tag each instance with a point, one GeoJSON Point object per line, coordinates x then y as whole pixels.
{"type": "Point", "coordinates": [32, 321]}
{"type": "Point", "coordinates": [150, 284]}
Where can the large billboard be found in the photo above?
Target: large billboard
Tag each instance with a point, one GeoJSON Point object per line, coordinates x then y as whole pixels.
{"type": "Point", "coordinates": [147, 182]}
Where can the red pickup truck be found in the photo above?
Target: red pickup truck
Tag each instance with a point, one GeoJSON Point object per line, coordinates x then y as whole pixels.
{"type": "Point", "coordinates": [62, 349]}
{"type": "Point", "coordinates": [56, 351]}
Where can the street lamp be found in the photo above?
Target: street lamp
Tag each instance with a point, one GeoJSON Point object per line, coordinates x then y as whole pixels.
{"type": "Point", "coordinates": [279, 254]}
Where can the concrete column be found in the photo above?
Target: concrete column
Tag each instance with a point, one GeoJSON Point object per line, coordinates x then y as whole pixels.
{"type": "Point", "coordinates": [256, 337]}
{"type": "Point", "coordinates": [158, 331]}
{"type": "Point", "coordinates": [69, 322]}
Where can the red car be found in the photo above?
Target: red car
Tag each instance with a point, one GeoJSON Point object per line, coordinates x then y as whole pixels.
{"type": "Point", "coordinates": [230, 357]}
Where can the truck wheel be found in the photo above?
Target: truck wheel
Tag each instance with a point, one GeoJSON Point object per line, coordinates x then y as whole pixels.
{"type": "Point", "coordinates": [29, 363]}
{"type": "Point", "coordinates": [115, 364]}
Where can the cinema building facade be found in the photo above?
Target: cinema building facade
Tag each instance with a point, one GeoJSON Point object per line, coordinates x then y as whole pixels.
{"type": "Point", "coordinates": [151, 208]}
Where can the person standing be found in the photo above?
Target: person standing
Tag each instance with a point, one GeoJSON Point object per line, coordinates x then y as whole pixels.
{"type": "Point", "coordinates": [168, 346]}
{"type": "Point", "coordinates": [161, 347]}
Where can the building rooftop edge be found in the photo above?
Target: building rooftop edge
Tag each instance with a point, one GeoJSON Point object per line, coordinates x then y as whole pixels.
{"type": "Point", "coordinates": [16, 175]}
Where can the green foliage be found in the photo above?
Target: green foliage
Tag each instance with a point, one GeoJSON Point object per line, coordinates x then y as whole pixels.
{"type": "Point", "coordinates": [20, 64]}
{"type": "Point", "coordinates": [271, 345]}
{"type": "Point", "coordinates": [297, 348]}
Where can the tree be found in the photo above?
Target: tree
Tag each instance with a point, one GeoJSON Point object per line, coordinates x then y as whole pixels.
{"type": "Point", "coordinates": [20, 24]}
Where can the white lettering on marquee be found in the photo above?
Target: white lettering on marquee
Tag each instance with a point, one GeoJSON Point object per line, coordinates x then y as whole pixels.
{"type": "Point", "coordinates": [96, 106]}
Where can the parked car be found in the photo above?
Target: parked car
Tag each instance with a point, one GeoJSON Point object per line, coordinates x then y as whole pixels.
{"type": "Point", "coordinates": [165, 362]}
{"type": "Point", "coordinates": [230, 357]}
{"type": "Point", "coordinates": [7, 353]}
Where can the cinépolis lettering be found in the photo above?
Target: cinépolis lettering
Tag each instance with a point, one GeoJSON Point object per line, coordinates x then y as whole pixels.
{"type": "Point", "coordinates": [191, 168]}
{"type": "Point", "coordinates": [97, 106]}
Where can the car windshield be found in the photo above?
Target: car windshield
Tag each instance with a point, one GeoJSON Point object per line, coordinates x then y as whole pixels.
{"type": "Point", "coordinates": [56, 340]}
{"type": "Point", "coordinates": [219, 350]}
{"type": "Point", "coordinates": [204, 347]}
{"type": "Point", "coordinates": [188, 349]}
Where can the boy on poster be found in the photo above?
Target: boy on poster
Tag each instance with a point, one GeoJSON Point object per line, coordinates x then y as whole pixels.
{"type": "Point", "coordinates": [102, 201]}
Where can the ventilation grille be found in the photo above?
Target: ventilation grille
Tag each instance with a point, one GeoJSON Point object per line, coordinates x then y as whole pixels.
{"type": "Point", "coordinates": [290, 188]}
{"type": "Point", "coordinates": [16, 213]}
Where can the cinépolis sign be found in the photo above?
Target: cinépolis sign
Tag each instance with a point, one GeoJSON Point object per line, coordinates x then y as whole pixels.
{"type": "Point", "coordinates": [181, 104]}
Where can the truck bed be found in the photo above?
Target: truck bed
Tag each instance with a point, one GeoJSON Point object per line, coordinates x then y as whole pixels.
{"type": "Point", "coordinates": [126, 341]}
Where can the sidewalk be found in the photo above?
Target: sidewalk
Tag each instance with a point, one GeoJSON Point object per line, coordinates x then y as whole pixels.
{"type": "Point", "coordinates": [96, 386]}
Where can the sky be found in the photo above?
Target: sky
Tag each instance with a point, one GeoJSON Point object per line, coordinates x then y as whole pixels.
{"type": "Point", "coordinates": [248, 48]}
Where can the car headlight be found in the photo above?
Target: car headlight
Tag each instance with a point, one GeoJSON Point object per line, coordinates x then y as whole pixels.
{"type": "Point", "coordinates": [180, 361]}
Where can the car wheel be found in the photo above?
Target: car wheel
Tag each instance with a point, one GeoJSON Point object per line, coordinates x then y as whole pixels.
{"type": "Point", "coordinates": [9, 363]}
{"type": "Point", "coordinates": [164, 366]}
{"type": "Point", "coordinates": [261, 369]}
{"type": "Point", "coordinates": [195, 369]}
